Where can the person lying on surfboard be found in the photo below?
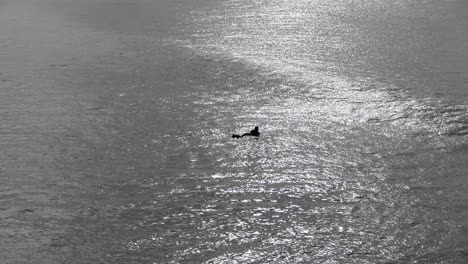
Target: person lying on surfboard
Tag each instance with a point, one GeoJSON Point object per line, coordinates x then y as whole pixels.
{"type": "Point", "coordinates": [253, 133]}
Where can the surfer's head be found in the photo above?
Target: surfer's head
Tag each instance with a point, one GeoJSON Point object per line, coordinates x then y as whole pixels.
{"type": "Point", "coordinates": [256, 128]}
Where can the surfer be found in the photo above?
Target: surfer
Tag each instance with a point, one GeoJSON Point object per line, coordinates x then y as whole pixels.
{"type": "Point", "coordinates": [253, 133]}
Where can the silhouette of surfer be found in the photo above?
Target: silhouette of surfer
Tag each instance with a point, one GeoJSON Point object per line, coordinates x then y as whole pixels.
{"type": "Point", "coordinates": [253, 133]}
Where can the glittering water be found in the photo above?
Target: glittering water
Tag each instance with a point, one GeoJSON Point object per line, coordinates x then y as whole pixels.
{"type": "Point", "coordinates": [359, 147]}
{"type": "Point", "coordinates": [362, 158]}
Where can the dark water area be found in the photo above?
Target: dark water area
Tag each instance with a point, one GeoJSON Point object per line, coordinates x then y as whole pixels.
{"type": "Point", "coordinates": [116, 123]}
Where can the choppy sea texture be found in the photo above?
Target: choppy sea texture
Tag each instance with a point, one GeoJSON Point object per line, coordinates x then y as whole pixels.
{"type": "Point", "coordinates": [417, 44]}
{"type": "Point", "coordinates": [323, 182]}
{"type": "Point", "coordinates": [360, 160]}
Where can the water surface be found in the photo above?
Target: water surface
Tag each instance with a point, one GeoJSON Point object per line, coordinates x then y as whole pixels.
{"type": "Point", "coordinates": [118, 147]}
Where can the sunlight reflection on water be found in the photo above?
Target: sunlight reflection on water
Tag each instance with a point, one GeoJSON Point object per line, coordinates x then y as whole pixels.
{"type": "Point", "coordinates": [140, 166]}
{"type": "Point", "coordinates": [347, 169]}
{"type": "Point", "coordinates": [317, 186]}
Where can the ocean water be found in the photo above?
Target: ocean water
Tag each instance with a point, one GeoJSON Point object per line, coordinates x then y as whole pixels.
{"type": "Point", "coordinates": [117, 146]}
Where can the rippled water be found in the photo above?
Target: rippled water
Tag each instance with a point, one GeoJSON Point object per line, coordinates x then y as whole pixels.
{"type": "Point", "coordinates": [362, 158]}
{"type": "Point", "coordinates": [357, 160]}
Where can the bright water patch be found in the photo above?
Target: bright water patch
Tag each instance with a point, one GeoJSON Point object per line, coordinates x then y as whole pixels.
{"type": "Point", "coordinates": [351, 166]}
{"type": "Point", "coordinates": [340, 173]}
